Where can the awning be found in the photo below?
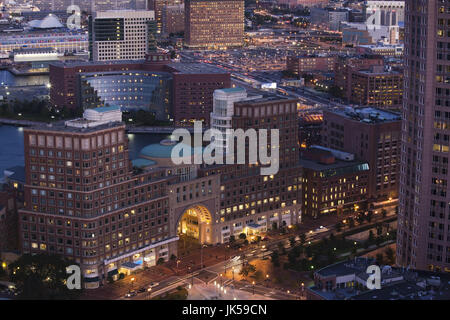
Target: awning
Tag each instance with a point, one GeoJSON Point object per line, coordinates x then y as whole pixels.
{"type": "Point", "coordinates": [93, 279]}
{"type": "Point", "coordinates": [254, 226]}
{"type": "Point", "coordinates": [112, 272]}
{"type": "Point", "coordinates": [130, 265]}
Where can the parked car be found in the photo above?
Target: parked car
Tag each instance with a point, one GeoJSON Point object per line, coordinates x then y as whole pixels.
{"type": "Point", "coordinates": [143, 289]}
{"type": "Point", "coordinates": [130, 294]}
{"type": "Point", "coordinates": [153, 284]}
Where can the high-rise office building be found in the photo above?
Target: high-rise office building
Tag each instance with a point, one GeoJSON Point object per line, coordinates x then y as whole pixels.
{"type": "Point", "coordinates": [214, 24]}
{"type": "Point", "coordinates": [423, 239]}
{"type": "Point", "coordinates": [121, 35]}
{"type": "Point", "coordinates": [173, 19]}
{"type": "Point", "coordinates": [158, 7]}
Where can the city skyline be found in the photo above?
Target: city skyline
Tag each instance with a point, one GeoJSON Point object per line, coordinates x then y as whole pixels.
{"type": "Point", "coordinates": [225, 150]}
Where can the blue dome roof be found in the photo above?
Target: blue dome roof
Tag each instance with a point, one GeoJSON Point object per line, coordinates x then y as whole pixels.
{"type": "Point", "coordinates": [157, 150]}
{"type": "Point", "coordinates": [139, 162]}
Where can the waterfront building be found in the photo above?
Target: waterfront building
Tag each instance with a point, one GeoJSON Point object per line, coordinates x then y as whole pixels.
{"type": "Point", "coordinates": [182, 92]}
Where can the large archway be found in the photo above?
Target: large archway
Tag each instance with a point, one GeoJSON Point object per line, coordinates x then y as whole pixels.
{"type": "Point", "coordinates": [195, 224]}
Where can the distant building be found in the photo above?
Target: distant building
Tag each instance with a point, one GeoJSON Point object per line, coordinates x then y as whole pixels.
{"type": "Point", "coordinates": [158, 6]}
{"type": "Point", "coordinates": [382, 50]}
{"type": "Point", "coordinates": [329, 18]}
{"type": "Point", "coordinates": [121, 35]}
{"type": "Point", "coordinates": [345, 66]}
{"type": "Point", "coordinates": [304, 3]}
{"type": "Point", "coordinates": [214, 24]}
{"type": "Point", "coordinates": [309, 63]}
{"type": "Point", "coordinates": [182, 92]}
{"type": "Point", "coordinates": [376, 87]}
{"type": "Point", "coordinates": [62, 40]}
{"type": "Point", "coordinates": [382, 22]}
{"type": "Point", "coordinates": [372, 135]}
{"type": "Point", "coordinates": [309, 130]}
{"type": "Point", "coordinates": [173, 19]}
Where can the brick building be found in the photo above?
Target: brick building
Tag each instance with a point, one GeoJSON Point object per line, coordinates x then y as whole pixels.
{"type": "Point", "coordinates": [331, 185]}
{"type": "Point", "coordinates": [310, 63]}
{"type": "Point", "coordinates": [186, 93]}
{"type": "Point", "coordinates": [173, 19]}
{"type": "Point", "coordinates": [345, 66]}
{"type": "Point", "coordinates": [376, 87]}
{"type": "Point", "coordinates": [373, 135]}
{"type": "Point", "coordinates": [84, 202]}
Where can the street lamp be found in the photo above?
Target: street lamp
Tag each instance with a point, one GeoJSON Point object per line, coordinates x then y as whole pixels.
{"type": "Point", "coordinates": [201, 257]}
{"type": "Point", "coordinates": [253, 287]}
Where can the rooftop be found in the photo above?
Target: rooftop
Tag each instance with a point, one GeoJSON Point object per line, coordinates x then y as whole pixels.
{"type": "Point", "coordinates": [195, 68]}
{"type": "Point", "coordinates": [342, 268]}
{"type": "Point", "coordinates": [62, 127]}
{"type": "Point", "coordinates": [337, 168]}
{"type": "Point", "coordinates": [367, 115]}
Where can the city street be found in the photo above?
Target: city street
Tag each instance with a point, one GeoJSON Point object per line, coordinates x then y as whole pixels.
{"type": "Point", "coordinates": [218, 260]}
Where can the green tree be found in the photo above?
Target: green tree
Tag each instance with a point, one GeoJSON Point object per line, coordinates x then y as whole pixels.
{"type": "Point", "coordinates": [275, 258]}
{"type": "Point", "coordinates": [247, 269]}
{"type": "Point", "coordinates": [232, 239]}
{"type": "Point", "coordinates": [302, 239]}
{"type": "Point", "coordinates": [242, 236]}
{"type": "Point", "coordinates": [384, 213]}
{"type": "Point", "coordinates": [380, 258]}
{"type": "Point", "coordinates": [292, 241]}
{"type": "Point", "coordinates": [351, 222]}
{"type": "Point", "coordinates": [42, 277]}
{"type": "Point", "coordinates": [160, 261]}
{"type": "Point", "coordinates": [379, 228]}
{"type": "Point", "coordinates": [371, 236]}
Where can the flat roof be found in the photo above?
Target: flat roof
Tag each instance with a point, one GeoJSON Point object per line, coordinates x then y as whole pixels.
{"type": "Point", "coordinates": [78, 63]}
{"type": "Point", "coordinates": [352, 166]}
{"type": "Point", "coordinates": [195, 68]}
{"type": "Point", "coordinates": [62, 127]}
{"type": "Point", "coordinates": [366, 114]}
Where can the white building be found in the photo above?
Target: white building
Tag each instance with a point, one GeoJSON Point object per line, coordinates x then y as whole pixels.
{"type": "Point", "coordinates": [223, 111]}
{"type": "Point", "coordinates": [96, 117]}
{"type": "Point", "coordinates": [120, 34]}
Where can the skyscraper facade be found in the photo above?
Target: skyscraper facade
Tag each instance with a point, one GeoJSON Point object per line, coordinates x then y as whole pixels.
{"type": "Point", "coordinates": [214, 24]}
{"type": "Point", "coordinates": [121, 35]}
{"type": "Point", "coordinates": [423, 240]}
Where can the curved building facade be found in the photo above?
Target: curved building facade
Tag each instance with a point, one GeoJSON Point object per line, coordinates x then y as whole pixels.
{"type": "Point", "coordinates": [131, 90]}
